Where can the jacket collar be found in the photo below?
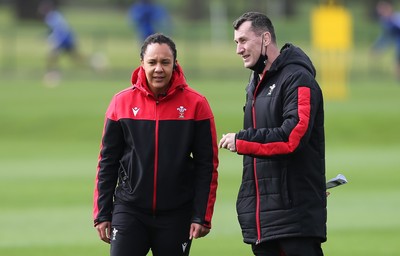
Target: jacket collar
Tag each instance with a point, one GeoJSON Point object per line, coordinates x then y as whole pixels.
{"type": "Point", "coordinates": [139, 80]}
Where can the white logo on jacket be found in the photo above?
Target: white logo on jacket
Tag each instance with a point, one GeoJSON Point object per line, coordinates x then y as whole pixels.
{"type": "Point", "coordinates": [181, 110]}
{"type": "Point", "coordinates": [271, 88]}
{"type": "Point", "coordinates": [184, 245]}
{"type": "Point", "coordinates": [114, 236]}
{"type": "Point", "coordinates": [135, 110]}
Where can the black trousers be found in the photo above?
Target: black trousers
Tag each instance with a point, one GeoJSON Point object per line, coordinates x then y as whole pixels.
{"type": "Point", "coordinates": [289, 247]}
{"type": "Point", "coordinates": [134, 233]}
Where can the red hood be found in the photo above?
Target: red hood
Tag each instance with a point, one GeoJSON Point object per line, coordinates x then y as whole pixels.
{"type": "Point", "coordinates": [177, 80]}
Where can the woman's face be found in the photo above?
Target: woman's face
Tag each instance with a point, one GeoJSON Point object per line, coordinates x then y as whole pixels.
{"type": "Point", "coordinates": [158, 63]}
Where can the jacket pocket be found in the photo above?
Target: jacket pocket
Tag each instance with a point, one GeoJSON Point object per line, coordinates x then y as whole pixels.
{"type": "Point", "coordinates": [124, 178]}
{"type": "Point", "coordinates": [285, 188]}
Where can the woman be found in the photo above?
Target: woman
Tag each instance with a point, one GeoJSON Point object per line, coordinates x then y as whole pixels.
{"type": "Point", "coordinates": [157, 174]}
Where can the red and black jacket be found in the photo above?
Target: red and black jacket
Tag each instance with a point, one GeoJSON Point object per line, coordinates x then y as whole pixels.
{"type": "Point", "coordinates": [283, 190]}
{"type": "Point", "coordinates": [158, 155]}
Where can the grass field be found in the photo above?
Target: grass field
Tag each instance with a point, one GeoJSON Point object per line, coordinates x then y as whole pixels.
{"type": "Point", "coordinates": [49, 141]}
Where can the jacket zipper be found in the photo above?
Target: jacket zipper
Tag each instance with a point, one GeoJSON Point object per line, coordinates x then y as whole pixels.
{"type": "Point", "coordinates": [253, 112]}
{"type": "Point", "coordinates": [155, 161]}
{"type": "Point", "coordinates": [157, 101]}
{"type": "Point", "coordinates": [256, 185]}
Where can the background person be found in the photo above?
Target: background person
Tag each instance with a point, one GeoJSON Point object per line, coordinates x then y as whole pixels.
{"type": "Point", "coordinates": [61, 40]}
{"type": "Point", "coordinates": [281, 204]}
{"type": "Point", "coordinates": [390, 23]}
{"type": "Point", "coordinates": [148, 18]}
{"type": "Point", "coordinates": [157, 173]}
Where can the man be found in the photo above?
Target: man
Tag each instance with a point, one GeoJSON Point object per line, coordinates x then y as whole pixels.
{"type": "Point", "coordinates": [282, 199]}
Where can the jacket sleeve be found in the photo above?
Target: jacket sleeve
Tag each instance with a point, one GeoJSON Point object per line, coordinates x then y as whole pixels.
{"type": "Point", "coordinates": [205, 156]}
{"type": "Point", "coordinates": [299, 105]}
{"type": "Point", "coordinates": [107, 169]}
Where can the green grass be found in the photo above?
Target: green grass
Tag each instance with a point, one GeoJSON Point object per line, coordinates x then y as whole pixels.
{"type": "Point", "coordinates": [49, 146]}
{"type": "Point", "coordinates": [49, 142]}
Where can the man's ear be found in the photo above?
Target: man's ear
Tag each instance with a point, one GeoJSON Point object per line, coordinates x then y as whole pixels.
{"type": "Point", "coordinates": [267, 39]}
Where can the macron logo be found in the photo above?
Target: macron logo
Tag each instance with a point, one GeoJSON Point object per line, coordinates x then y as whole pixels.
{"type": "Point", "coordinates": [135, 110]}
{"type": "Point", "coordinates": [184, 245]}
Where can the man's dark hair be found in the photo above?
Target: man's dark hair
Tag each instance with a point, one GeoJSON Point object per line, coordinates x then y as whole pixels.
{"type": "Point", "coordinates": [158, 38]}
{"type": "Point", "coordinates": [260, 23]}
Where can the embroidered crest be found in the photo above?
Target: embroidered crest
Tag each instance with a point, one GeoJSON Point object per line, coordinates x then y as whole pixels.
{"type": "Point", "coordinates": [114, 234]}
{"type": "Point", "coordinates": [271, 88]}
{"type": "Point", "coordinates": [181, 111]}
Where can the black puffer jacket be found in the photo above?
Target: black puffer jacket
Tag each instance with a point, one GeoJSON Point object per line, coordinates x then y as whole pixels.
{"type": "Point", "coordinates": [283, 191]}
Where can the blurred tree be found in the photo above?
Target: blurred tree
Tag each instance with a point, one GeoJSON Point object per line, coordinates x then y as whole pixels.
{"type": "Point", "coordinates": [289, 8]}
{"type": "Point", "coordinates": [196, 9]}
{"type": "Point", "coordinates": [121, 3]}
{"type": "Point", "coordinates": [371, 5]}
{"type": "Point", "coordinates": [28, 9]}
{"type": "Point", "coordinates": [286, 8]}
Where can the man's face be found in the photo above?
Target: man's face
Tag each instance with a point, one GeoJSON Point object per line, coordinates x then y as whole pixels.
{"type": "Point", "coordinates": [248, 44]}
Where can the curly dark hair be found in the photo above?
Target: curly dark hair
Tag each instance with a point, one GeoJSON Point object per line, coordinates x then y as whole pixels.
{"type": "Point", "coordinates": [158, 38]}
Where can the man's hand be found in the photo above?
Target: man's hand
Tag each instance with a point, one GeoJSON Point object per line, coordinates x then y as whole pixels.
{"type": "Point", "coordinates": [197, 231]}
{"type": "Point", "coordinates": [228, 142]}
{"type": "Point", "coordinates": [104, 230]}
